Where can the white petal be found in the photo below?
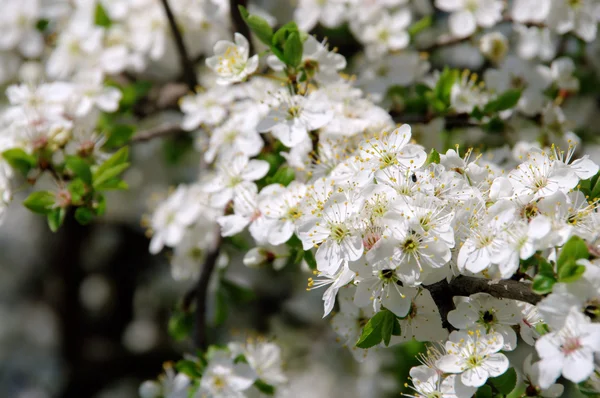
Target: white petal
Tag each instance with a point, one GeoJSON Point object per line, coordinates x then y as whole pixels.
{"type": "Point", "coordinates": [462, 23]}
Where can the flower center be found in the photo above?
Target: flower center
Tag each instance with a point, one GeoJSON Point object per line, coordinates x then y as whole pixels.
{"type": "Point", "coordinates": [386, 274]}
{"type": "Point", "coordinates": [474, 361]}
{"type": "Point", "coordinates": [410, 245]}
{"type": "Point", "coordinates": [338, 232]}
{"type": "Point", "coordinates": [571, 345]}
{"type": "Point", "coordinates": [293, 213]}
{"type": "Point", "coordinates": [195, 253]}
{"type": "Point", "coordinates": [592, 309]}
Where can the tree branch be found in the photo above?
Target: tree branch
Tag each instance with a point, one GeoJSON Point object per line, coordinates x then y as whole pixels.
{"type": "Point", "coordinates": [443, 292]}
{"type": "Point", "coordinates": [187, 66]}
{"type": "Point", "coordinates": [201, 291]}
{"type": "Point", "coordinates": [504, 288]}
{"type": "Point", "coordinates": [451, 121]}
{"type": "Point", "coordinates": [157, 132]}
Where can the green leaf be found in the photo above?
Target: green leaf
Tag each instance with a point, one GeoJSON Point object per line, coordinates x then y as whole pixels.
{"type": "Point", "coordinates": [506, 382]}
{"type": "Point", "coordinates": [190, 368]}
{"type": "Point", "coordinates": [100, 17]}
{"type": "Point", "coordinates": [387, 327]}
{"type": "Point", "coordinates": [420, 25]}
{"type": "Point", "coordinates": [99, 206]}
{"type": "Point", "coordinates": [176, 148]}
{"type": "Point", "coordinates": [380, 327]}
{"type": "Point", "coordinates": [111, 168]}
{"type": "Point", "coordinates": [116, 159]}
{"type": "Point", "coordinates": [56, 218]}
{"type": "Point", "coordinates": [588, 389]}
{"type": "Point", "coordinates": [280, 37]}
{"type": "Point", "coordinates": [570, 272]}
{"type": "Point", "coordinates": [542, 284]}
{"type": "Point", "coordinates": [371, 334]}
{"type": "Point", "coordinates": [119, 135]}
{"type": "Point", "coordinates": [19, 160]}
{"type": "Point", "coordinates": [42, 24]}
{"type": "Point", "coordinates": [77, 190]}
{"type": "Point", "coordinates": [180, 325]}
{"type": "Point", "coordinates": [221, 308]}
{"type": "Point", "coordinates": [433, 157]}
{"type": "Point", "coordinates": [40, 202]}
{"type": "Point", "coordinates": [264, 387]}
{"type": "Point", "coordinates": [504, 101]}
{"type": "Point", "coordinates": [109, 174]}
{"type": "Point", "coordinates": [80, 168]}
{"type": "Point", "coordinates": [443, 87]}
{"type": "Point", "coordinates": [292, 50]}
{"type": "Point", "coordinates": [396, 331]}
{"type": "Point", "coordinates": [237, 293]}
{"type": "Point", "coordinates": [545, 278]}
{"type": "Point", "coordinates": [484, 391]}
{"type": "Point", "coordinates": [259, 26]}
{"type": "Point", "coordinates": [575, 249]}
{"type": "Point", "coordinates": [84, 215]}
{"type": "Point", "coordinates": [112, 185]}
{"type": "Point", "coordinates": [284, 176]}
{"type": "Point", "coordinates": [309, 257]}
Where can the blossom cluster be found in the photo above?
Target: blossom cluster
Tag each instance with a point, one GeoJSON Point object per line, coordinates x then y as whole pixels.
{"type": "Point", "coordinates": [302, 164]}
{"type": "Point", "coordinates": [112, 36]}
{"type": "Point", "coordinates": [227, 372]}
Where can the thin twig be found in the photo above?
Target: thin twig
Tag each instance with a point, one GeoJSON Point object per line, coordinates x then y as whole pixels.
{"type": "Point", "coordinates": [201, 295]}
{"type": "Point", "coordinates": [446, 41]}
{"type": "Point", "coordinates": [187, 66]}
{"type": "Point", "coordinates": [157, 132]}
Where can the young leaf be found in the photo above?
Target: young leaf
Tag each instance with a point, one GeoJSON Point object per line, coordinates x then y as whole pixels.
{"type": "Point", "coordinates": [380, 327]}
{"type": "Point", "coordinates": [221, 307]}
{"type": "Point", "coordinates": [190, 368]}
{"type": "Point", "coordinates": [504, 101]}
{"type": "Point", "coordinates": [443, 88]}
{"type": "Point", "coordinates": [545, 278]}
{"type": "Point", "coordinates": [506, 382]}
{"type": "Point", "coordinates": [180, 325]}
{"type": "Point", "coordinates": [573, 250]}
{"type": "Point", "coordinates": [310, 259]}
{"type": "Point", "coordinates": [280, 37]}
{"type": "Point", "coordinates": [80, 168]}
{"type": "Point", "coordinates": [292, 50]}
{"type": "Point", "coordinates": [433, 157]}
{"type": "Point", "coordinates": [236, 292]}
{"type": "Point", "coordinates": [388, 326]}
{"type": "Point", "coordinates": [83, 215]}
{"type": "Point", "coordinates": [77, 190]}
{"type": "Point", "coordinates": [263, 387]}
{"type": "Point", "coordinates": [56, 217]}
{"type": "Point", "coordinates": [100, 17]}
{"type": "Point", "coordinates": [19, 160]}
{"type": "Point", "coordinates": [40, 202]}
{"type": "Point", "coordinates": [420, 25]}
{"type": "Point", "coordinates": [542, 284]}
{"type": "Point", "coordinates": [119, 135]}
{"type": "Point", "coordinates": [108, 174]}
{"type": "Point", "coordinates": [484, 391]}
{"type": "Point", "coordinates": [259, 26]}
{"type": "Point", "coordinates": [371, 334]}
{"type": "Point", "coordinates": [284, 176]}
{"type": "Point", "coordinates": [570, 272]}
